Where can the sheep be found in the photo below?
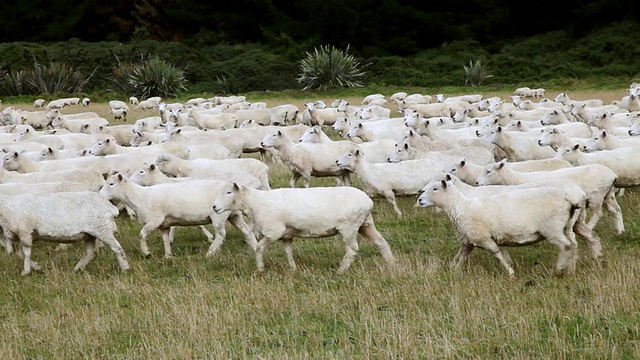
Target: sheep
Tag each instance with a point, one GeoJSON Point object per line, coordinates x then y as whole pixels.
{"type": "Point", "coordinates": [80, 216]}
{"type": "Point", "coordinates": [103, 164]}
{"type": "Point", "coordinates": [475, 154]}
{"type": "Point", "coordinates": [164, 206]}
{"type": "Point", "coordinates": [56, 104]}
{"type": "Point", "coordinates": [284, 114]}
{"type": "Point", "coordinates": [469, 172]}
{"type": "Point", "coordinates": [564, 99]}
{"type": "Point", "coordinates": [57, 154]}
{"type": "Point", "coordinates": [146, 105]}
{"type": "Point", "coordinates": [309, 159]}
{"type": "Point", "coordinates": [133, 101]}
{"type": "Point", "coordinates": [518, 148]}
{"type": "Point", "coordinates": [78, 125]}
{"type": "Point", "coordinates": [123, 134]}
{"type": "Point", "coordinates": [38, 103]}
{"type": "Point", "coordinates": [150, 175]}
{"type": "Point", "coordinates": [253, 136]}
{"type": "Point", "coordinates": [147, 124]}
{"type": "Point", "coordinates": [370, 131]}
{"type": "Point", "coordinates": [376, 151]}
{"type": "Point", "coordinates": [235, 143]}
{"type": "Point", "coordinates": [398, 97]}
{"type": "Point", "coordinates": [630, 102]}
{"type": "Point", "coordinates": [91, 178]}
{"type": "Point", "coordinates": [602, 140]}
{"type": "Point", "coordinates": [117, 104]}
{"type": "Point", "coordinates": [523, 217]}
{"type": "Point", "coordinates": [596, 180]}
{"type": "Point", "coordinates": [283, 214]}
{"type": "Point", "coordinates": [430, 129]}
{"type": "Point", "coordinates": [327, 116]}
{"type": "Point", "coordinates": [174, 166]}
{"type": "Point", "coordinates": [623, 161]}
{"type": "Point", "coordinates": [139, 138]}
{"type": "Point", "coordinates": [390, 179]}
{"type": "Point", "coordinates": [555, 138]}
{"type": "Point", "coordinates": [61, 141]}
{"type": "Point", "coordinates": [119, 114]}
{"type": "Point", "coordinates": [220, 121]}
{"type": "Point", "coordinates": [230, 100]}
{"type": "Point", "coordinates": [86, 101]}
{"type": "Point", "coordinates": [109, 146]}
{"type": "Point", "coordinates": [36, 119]}
{"type": "Point", "coordinates": [367, 99]}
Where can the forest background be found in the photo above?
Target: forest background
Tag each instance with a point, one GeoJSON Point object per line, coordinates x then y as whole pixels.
{"type": "Point", "coordinates": [255, 45]}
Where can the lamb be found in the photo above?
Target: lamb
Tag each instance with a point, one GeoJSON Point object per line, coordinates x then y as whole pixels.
{"type": "Point", "coordinates": [166, 205]}
{"type": "Point", "coordinates": [119, 114]}
{"type": "Point", "coordinates": [86, 216]}
{"type": "Point", "coordinates": [555, 138]}
{"type": "Point", "coordinates": [133, 101]}
{"type": "Point", "coordinates": [390, 179]}
{"type": "Point", "coordinates": [469, 172]}
{"type": "Point", "coordinates": [524, 217]}
{"type": "Point", "coordinates": [283, 214]}
{"type": "Point", "coordinates": [374, 112]}
{"type": "Point", "coordinates": [596, 180]}
{"type": "Point", "coordinates": [86, 101]}
{"type": "Point", "coordinates": [309, 159]}
{"type": "Point", "coordinates": [118, 104]}
{"type": "Point", "coordinates": [398, 97]}
{"type": "Point", "coordinates": [174, 166]}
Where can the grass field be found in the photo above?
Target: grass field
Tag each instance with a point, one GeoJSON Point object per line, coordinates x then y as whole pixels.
{"type": "Point", "coordinates": [220, 308]}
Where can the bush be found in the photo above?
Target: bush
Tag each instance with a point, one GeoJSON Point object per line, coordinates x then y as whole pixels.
{"type": "Point", "coordinates": [329, 67]}
{"type": "Point", "coordinates": [54, 78]}
{"type": "Point", "coordinates": [476, 73]}
{"type": "Point", "coordinates": [152, 77]}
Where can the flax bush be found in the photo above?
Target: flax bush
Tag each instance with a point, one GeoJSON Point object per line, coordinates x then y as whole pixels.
{"type": "Point", "coordinates": [328, 67]}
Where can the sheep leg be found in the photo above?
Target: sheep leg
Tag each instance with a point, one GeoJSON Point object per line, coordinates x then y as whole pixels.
{"type": "Point", "coordinates": [262, 245]}
{"type": "Point", "coordinates": [172, 233]}
{"type": "Point", "coordinates": [294, 177]}
{"type": "Point", "coordinates": [219, 223]}
{"type": "Point", "coordinates": [288, 249]}
{"type": "Point", "coordinates": [613, 206]}
{"type": "Point", "coordinates": [166, 240]}
{"type": "Point", "coordinates": [391, 198]}
{"type": "Point", "coordinates": [368, 230]}
{"type": "Point", "coordinates": [461, 257]}
{"type": "Point", "coordinates": [146, 229]}
{"type": "Point", "coordinates": [27, 242]}
{"type": "Point", "coordinates": [115, 246]}
{"type": "Point", "coordinates": [497, 252]}
{"type": "Point", "coordinates": [89, 254]}
{"type": "Point", "coordinates": [568, 253]}
{"type": "Point", "coordinates": [206, 233]}
{"type": "Point", "coordinates": [596, 214]}
{"type": "Point", "coordinates": [351, 249]}
{"type": "Point", "coordinates": [583, 230]}
{"type": "Point", "coordinates": [237, 220]}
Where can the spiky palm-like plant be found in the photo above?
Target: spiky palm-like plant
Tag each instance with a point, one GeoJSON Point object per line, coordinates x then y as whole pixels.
{"type": "Point", "coordinates": [328, 67]}
{"type": "Point", "coordinates": [476, 73]}
{"type": "Point", "coordinates": [156, 77]}
{"type": "Point", "coordinates": [121, 77]}
{"type": "Point", "coordinates": [55, 78]}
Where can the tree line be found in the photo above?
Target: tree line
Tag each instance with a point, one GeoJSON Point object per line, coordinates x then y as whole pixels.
{"type": "Point", "coordinates": [372, 27]}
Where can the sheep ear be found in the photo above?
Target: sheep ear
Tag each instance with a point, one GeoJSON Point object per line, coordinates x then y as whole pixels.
{"type": "Point", "coordinates": [50, 150]}
{"type": "Point", "coordinates": [120, 178]}
{"type": "Point", "coordinates": [444, 184]}
{"type": "Point", "coordinates": [279, 133]}
{"type": "Point", "coordinates": [604, 133]}
{"type": "Point", "coordinates": [236, 187]}
{"type": "Point", "coordinates": [499, 129]}
{"type": "Point", "coordinates": [149, 142]}
{"type": "Point", "coordinates": [15, 154]}
{"type": "Point", "coordinates": [448, 177]}
{"type": "Point", "coordinates": [463, 162]}
{"type": "Point", "coordinates": [357, 152]}
{"type": "Point", "coordinates": [406, 146]}
{"type": "Point", "coordinates": [576, 146]}
{"type": "Point", "coordinates": [178, 131]}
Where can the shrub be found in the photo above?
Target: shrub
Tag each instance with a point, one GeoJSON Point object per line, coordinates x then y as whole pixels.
{"type": "Point", "coordinates": [121, 78]}
{"type": "Point", "coordinates": [328, 67]}
{"type": "Point", "coordinates": [51, 79]}
{"type": "Point", "coordinates": [476, 73]}
{"type": "Point", "coordinates": [156, 77]}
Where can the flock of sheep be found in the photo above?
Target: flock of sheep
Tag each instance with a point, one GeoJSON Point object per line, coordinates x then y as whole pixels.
{"type": "Point", "coordinates": [507, 173]}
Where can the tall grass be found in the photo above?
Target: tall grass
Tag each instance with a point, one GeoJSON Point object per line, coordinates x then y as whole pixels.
{"type": "Point", "coordinates": [191, 306]}
{"type": "Point", "coordinates": [327, 67]}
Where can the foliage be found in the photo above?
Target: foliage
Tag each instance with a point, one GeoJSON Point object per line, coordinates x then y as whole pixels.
{"type": "Point", "coordinates": [151, 77]}
{"type": "Point", "coordinates": [476, 73]}
{"type": "Point", "coordinates": [54, 78]}
{"type": "Point", "coordinates": [328, 67]}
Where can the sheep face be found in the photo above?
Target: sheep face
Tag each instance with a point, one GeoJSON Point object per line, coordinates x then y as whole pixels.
{"type": "Point", "coordinates": [228, 199]}
{"type": "Point", "coordinates": [11, 161]}
{"type": "Point", "coordinates": [433, 193]}
{"type": "Point", "coordinates": [401, 153]}
{"type": "Point", "coordinates": [491, 175]}
{"type": "Point", "coordinates": [349, 160]}
{"type": "Point", "coordinates": [272, 139]}
{"type": "Point", "coordinates": [113, 189]}
{"type": "Point", "coordinates": [145, 176]}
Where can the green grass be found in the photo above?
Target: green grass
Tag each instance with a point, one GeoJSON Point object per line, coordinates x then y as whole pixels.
{"type": "Point", "coordinates": [194, 307]}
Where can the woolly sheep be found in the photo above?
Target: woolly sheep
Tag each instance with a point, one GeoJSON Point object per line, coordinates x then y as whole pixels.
{"type": "Point", "coordinates": [283, 214]}
{"type": "Point", "coordinates": [133, 100]}
{"type": "Point", "coordinates": [231, 140]}
{"type": "Point", "coordinates": [518, 148]}
{"type": "Point", "coordinates": [174, 166]}
{"type": "Point", "coordinates": [109, 146]}
{"type": "Point", "coordinates": [376, 151]}
{"type": "Point", "coordinates": [596, 180]}
{"type": "Point", "coordinates": [523, 217]}
{"type": "Point", "coordinates": [390, 179]}
{"type": "Point", "coordinates": [166, 205]}
{"type": "Point", "coordinates": [475, 154]}
{"type": "Point", "coordinates": [86, 216]}
{"type": "Point", "coordinates": [602, 140]}
{"type": "Point", "coordinates": [78, 125]}
{"type": "Point", "coordinates": [469, 172]}
{"type": "Point", "coordinates": [220, 121]}
{"type": "Point", "coordinates": [86, 101]}
{"type": "Point", "coordinates": [309, 159]}
{"type": "Point", "coordinates": [123, 134]}
{"type": "Point", "coordinates": [38, 103]}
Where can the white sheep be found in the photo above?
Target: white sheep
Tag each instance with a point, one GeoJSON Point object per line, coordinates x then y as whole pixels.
{"type": "Point", "coordinates": [596, 180]}
{"type": "Point", "coordinates": [283, 214]}
{"type": "Point", "coordinates": [86, 101]}
{"type": "Point", "coordinates": [602, 140]}
{"type": "Point", "coordinates": [376, 151]}
{"type": "Point", "coordinates": [119, 114]}
{"type": "Point", "coordinates": [390, 179]}
{"type": "Point", "coordinates": [523, 217]}
{"type": "Point", "coordinates": [109, 146]}
{"type": "Point", "coordinates": [164, 206]}
{"type": "Point", "coordinates": [475, 154]}
{"type": "Point", "coordinates": [123, 134]}
{"type": "Point", "coordinates": [518, 148]}
{"type": "Point", "coordinates": [235, 143]}
{"type": "Point", "coordinates": [469, 172]}
{"type": "Point", "coordinates": [150, 175]}
{"type": "Point", "coordinates": [174, 166]}
{"type": "Point", "coordinates": [133, 100]}
{"type": "Point", "coordinates": [38, 103]}
{"type": "Point", "coordinates": [60, 217]}
{"type": "Point", "coordinates": [78, 125]}
{"type": "Point", "coordinates": [309, 159]}
{"type": "Point", "coordinates": [377, 130]}
{"type": "Point", "coordinates": [220, 121]}
{"type": "Point", "coordinates": [367, 99]}
{"type": "Point", "coordinates": [147, 124]}
{"type": "Point", "coordinates": [146, 105]}
{"type": "Point", "coordinates": [56, 104]}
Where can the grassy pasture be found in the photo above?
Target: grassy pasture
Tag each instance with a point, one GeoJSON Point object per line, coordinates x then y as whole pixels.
{"type": "Point", "coordinates": [193, 307]}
